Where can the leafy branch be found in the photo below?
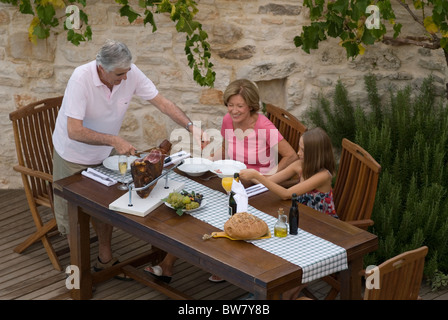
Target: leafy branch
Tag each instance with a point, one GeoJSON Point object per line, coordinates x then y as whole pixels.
{"type": "Point", "coordinates": [45, 19]}
{"type": "Point", "coordinates": [347, 20]}
{"type": "Point", "coordinates": [197, 49]}
{"type": "Point", "coordinates": [182, 12]}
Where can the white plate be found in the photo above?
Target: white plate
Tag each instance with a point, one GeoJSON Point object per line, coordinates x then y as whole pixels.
{"type": "Point", "coordinates": [112, 162]}
{"type": "Point", "coordinates": [195, 166]}
{"type": "Point", "coordinates": [203, 203]}
{"type": "Point", "coordinates": [226, 168]}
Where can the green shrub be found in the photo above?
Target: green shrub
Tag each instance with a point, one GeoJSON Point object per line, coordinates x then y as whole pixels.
{"type": "Point", "coordinates": [408, 136]}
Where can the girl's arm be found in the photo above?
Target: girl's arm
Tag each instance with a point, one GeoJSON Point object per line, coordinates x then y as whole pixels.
{"type": "Point", "coordinates": [280, 176]}
{"type": "Point", "coordinates": [292, 170]}
{"type": "Point", "coordinates": [317, 181]}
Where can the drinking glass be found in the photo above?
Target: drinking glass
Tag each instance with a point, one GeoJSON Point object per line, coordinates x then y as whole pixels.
{"type": "Point", "coordinates": [227, 184]}
{"type": "Point", "coordinates": [122, 167]}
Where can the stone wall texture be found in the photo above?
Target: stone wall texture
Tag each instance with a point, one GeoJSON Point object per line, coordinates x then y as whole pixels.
{"type": "Point", "coordinates": [250, 39]}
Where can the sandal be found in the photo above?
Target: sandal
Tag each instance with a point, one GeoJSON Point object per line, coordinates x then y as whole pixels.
{"type": "Point", "coordinates": [156, 271]}
{"type": "Point", "coordinates": [99, 266]}
{"type": "Point", "coordinates": [215, 279]}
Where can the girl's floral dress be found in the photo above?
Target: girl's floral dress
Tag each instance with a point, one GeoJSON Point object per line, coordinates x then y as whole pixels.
{"type": "Point", "coordinates": [320, 201]}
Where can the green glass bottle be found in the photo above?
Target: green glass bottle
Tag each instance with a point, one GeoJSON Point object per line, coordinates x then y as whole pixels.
{"type": "Point", "coordinates": [294, 216]}
{"type": "Point", "coordinates": [232, 204]}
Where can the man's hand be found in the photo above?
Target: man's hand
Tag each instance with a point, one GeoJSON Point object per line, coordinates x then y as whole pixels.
{"type": "Point", "coordinates": [123, 147]}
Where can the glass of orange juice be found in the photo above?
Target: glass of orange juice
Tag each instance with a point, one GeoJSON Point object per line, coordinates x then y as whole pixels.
{"type": "Point", "coordinates": [227, 184]}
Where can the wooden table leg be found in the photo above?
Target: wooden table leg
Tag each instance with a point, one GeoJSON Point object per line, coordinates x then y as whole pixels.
{"type": "Point", "coordinates": [351, 280]}
{"type": "Point", "coordinates": [80, 250]}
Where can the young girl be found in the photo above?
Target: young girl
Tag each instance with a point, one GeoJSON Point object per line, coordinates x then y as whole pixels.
{"type": "Point", "coordinates": [315, 169]}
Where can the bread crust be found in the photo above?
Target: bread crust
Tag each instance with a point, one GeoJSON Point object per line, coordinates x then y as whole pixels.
{"type": "Point", "coordinates": [245, 226]}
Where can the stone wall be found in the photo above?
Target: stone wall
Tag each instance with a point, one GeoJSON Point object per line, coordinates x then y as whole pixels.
{"type": "Point", "coordinates": [251, 39]}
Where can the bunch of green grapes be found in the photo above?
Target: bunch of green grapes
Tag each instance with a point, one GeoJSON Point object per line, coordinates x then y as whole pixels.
{"type": "Point", "coordinates": [175, 199]}
{"type": "Point", "coordinates": [192, 205]}
{"type": "Point", "coordinates": [184, 200]}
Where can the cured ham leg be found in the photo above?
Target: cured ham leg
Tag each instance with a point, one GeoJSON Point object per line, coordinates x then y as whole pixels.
{"type": "Point", "coordinates": [149, 168]}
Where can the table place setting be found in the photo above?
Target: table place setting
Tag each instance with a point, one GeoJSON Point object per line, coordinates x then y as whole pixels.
{"type": "Point", "coordinates": [115, 175]}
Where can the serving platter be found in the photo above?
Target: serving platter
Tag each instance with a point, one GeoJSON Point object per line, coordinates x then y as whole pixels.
{"type": "Point", "coordinates": [202, 205]}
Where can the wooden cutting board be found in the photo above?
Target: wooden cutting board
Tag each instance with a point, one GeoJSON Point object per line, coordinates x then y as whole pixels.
{"type": "Point", "coordinates": [141, 207]}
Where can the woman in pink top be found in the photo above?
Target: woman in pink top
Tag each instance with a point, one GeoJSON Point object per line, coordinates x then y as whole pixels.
{"type": "Point", "coordinates": [249, 136]}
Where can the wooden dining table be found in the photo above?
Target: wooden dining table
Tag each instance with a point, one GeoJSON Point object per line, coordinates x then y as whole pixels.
{"type": "Point", "coordinates": [241, 263]}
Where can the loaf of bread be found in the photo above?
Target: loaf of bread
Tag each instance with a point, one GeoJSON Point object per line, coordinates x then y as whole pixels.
{"type": "Point", "coordinates": [245, 226]}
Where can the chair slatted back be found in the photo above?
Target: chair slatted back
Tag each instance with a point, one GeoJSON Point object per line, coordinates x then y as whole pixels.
{"type": "Point", "coordinates": [288, 125]}
{"type": "Point", "coordinates": [356, 183]}
{"type": "Point", "coordinates": [33, 127]}
{"type": "Point", "coordinates": [399, 278]}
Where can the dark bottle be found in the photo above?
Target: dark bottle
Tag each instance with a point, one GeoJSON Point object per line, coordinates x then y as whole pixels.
{"type": "Point", "coordinates": [232, 204]}
{"type": "Point", "coordinates": [236, 177]}
{"type": "Point", "coordinates": [294, 216]}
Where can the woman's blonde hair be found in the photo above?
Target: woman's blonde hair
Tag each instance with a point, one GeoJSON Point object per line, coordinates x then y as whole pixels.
{"type": "Point", "coordinates": [246, 89]}
{"type": "Point", "coordinates": [318, 152]}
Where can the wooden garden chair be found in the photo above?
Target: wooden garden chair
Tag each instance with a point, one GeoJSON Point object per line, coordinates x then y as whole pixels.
{"type": "Point", "coordinates": [288, 125]}
{"type": "Point", "coordinates": [398, 278]}
{"type": "Point", "coordinates": [33, 128]}
{"type": "Point", "coordinates": [356, 185]}
{"type": "Point", "coordinates": [354, 193]}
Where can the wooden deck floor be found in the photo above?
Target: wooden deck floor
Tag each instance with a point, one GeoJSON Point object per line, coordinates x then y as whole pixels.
{"type": "Point", "coordinates": [30, 275]}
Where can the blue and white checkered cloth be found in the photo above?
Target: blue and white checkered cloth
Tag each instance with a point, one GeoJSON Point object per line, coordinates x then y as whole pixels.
{"type": "Point", "coordinates": [317, 257]}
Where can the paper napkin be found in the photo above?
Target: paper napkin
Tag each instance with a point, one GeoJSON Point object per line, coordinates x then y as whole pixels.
{"type": "Point", "coordinates": [240, 196]}
{"type": "Point", "coordinates": [256, 189]}
{"type": "Point", "coordinates": [99, 177]}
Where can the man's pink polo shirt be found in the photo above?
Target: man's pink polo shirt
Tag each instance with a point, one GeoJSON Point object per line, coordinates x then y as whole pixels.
{"type": "Point", "coordinates": [87, 98]}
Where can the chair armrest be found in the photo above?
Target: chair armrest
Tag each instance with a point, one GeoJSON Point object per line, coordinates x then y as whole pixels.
{"type": "Point", "coordinates": [362, 224]}
{"type": "Point", "coordinates": [33, 173]}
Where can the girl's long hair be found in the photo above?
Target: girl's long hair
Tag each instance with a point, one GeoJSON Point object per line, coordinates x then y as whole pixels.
{"type": "Point", "coordinates": [318, 152]}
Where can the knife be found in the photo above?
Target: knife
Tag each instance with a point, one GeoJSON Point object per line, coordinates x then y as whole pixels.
{"type": "Point", "coordinates": [173, 156]}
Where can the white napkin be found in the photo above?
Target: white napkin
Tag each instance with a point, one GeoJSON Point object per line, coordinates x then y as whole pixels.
{"type": "Point", "coordinates": [240, 196]}
{"type": "Point", "coordinates": [256, 189]}
{"type": "Point", "coordinates": [176, 157]}
{"type": "Point", "coordinates": [99, 177]}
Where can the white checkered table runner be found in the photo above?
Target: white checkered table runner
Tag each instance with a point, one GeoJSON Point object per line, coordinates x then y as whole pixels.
{"type": "Point", "coordinates": [317, 257]}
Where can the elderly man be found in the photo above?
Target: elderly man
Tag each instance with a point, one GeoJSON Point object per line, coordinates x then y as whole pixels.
{"type": "Point", "coordinates": [94, 105]}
